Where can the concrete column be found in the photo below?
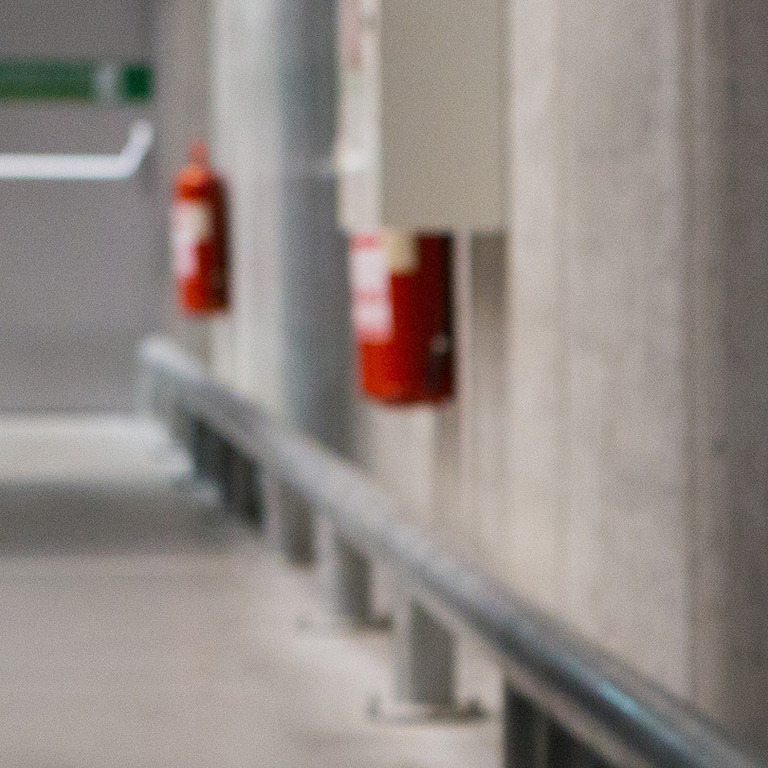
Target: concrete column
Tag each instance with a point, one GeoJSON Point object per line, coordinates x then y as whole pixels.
{"type": "Point", "coordinates": [286, 341]}
{"type": "Point", "coordinates": [728, 150]}
{"type": "Point", "coordinates": [597, 326]}
{"type": "Point", "coordinates": [638, 336]}
{"type": "Point", "coordinates": [317, 356]}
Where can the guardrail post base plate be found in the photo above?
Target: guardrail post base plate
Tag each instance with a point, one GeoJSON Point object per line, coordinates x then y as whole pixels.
{"type": "Point", "coordinates": [424, 671]}
{"type": "Point", "coordinates": [346, 578]}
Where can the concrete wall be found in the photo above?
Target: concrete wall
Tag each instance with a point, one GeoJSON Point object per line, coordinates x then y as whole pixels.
{"type": "Point", "coordinates": [606, 452]}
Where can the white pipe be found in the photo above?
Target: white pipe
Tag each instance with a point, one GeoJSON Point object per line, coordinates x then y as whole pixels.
{"type": "Point", "coordinates": [82, 167]}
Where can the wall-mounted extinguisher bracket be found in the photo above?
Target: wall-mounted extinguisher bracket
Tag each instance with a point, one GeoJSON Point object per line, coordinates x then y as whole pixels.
{"type": "Point", "coordinates": [400, 285]}
{"type": "Point", "coordinates": [199, 236]}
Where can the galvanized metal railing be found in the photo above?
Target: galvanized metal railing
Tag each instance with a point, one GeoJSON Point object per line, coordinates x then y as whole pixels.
{"type": "Point", "coordinates": [566, 703]}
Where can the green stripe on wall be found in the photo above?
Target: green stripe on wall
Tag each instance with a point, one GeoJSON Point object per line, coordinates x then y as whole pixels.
{"type": "Point", "coordinates": [46, 80]}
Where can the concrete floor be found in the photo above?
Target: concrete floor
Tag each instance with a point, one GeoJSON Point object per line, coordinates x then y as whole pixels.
{"type": "Point", "coordinates": [143, 626]}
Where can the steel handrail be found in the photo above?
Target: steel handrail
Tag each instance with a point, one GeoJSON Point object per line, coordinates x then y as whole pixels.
{"type": "Point", "coordinates": [77, 167]}
{"type": "Point", "coordinates": [620, 714]}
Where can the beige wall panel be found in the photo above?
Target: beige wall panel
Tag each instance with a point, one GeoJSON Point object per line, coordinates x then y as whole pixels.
{"type": "Point", "coordinates": [441, 128]}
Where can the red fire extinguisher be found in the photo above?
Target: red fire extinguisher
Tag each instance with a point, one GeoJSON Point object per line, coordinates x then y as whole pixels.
{"type": "Point", "coordinates": [401, 315]}
{"type": "Point", "coordinates": [199, 237]}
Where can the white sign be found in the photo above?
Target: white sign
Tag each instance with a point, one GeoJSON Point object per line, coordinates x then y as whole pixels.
{"type": "Point", "coordinates": [371, 284]}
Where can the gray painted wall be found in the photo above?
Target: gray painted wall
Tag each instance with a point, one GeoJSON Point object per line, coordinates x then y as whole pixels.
{"type": "Point", "coordinates": [81, 278]}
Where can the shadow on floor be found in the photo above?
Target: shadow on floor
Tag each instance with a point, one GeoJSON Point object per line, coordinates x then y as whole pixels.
{"type": "Point", "coordinates": [116, 518]}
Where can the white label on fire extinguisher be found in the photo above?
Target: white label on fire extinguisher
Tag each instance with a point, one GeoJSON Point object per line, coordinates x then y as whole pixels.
{"type": "Point", "coordinates": [192, 224]}
{"type": "Point", "coordinates": [369, 276]}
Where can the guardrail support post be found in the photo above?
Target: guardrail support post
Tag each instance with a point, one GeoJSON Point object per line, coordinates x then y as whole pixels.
{"type": "Point", "coordinates": [346, 575]}
{"type": "Point", "coordinates": [350, 582]}
{"type": "Point", "coordinates": [209, 449]}
{"type": "Point", "coordinates": [244, 487]}
{"type": "Point", "coordinates": [531, 739]}
{"type": "Point", "coordinates": [289, 520]}
{"type": "Point", "coordinates": [210, 456]}
{"type": "Point", "coordinates": [178, 425]}
{"type": "Point", "coordinates": [197, 447]}
{"type": "Point", "coordinates": [521, 731]}
{"type": "Point", "coordinates": [424, 659]}
{"type": "Point", "coordinates": [213, 456]}
{"type": "Point", "coordinates": [223, 471]}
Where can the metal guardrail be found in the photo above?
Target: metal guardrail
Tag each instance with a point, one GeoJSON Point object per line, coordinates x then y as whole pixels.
{"type": "Point", "coordinates": [566, 702]}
